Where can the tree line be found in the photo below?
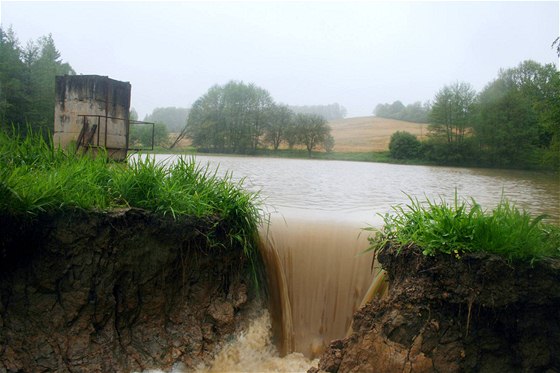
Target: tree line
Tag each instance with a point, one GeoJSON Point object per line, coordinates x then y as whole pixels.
{"type": "Point", "coordinates": [416, 112]}
{"type": "Point", "coordinates": [242, 118]}
{"type": "Point", "coordinates": [330, 112]}
{"type": "Point", "coordinates": [514, 122]}
{"type": "Point", "coordinates": [27, 79]}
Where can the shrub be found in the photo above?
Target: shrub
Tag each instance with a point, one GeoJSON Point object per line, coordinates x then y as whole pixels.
{"type": "Point", "coordinates": [404, 145]}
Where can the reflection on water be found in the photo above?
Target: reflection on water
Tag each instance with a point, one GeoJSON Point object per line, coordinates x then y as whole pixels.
{"type": "Point", "coordinates": [360, 190]}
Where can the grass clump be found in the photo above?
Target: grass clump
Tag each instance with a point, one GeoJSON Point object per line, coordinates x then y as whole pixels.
{"type": "Point", "coordinates": [441, 228]}
{"type": "Point", "coordinates": [36, 177]}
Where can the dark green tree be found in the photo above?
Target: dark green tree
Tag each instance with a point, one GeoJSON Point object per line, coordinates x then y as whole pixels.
{"type": "Point", "coordinates": [14, 102]}
{"type": "Point", "coordinates": [230, 118]}
{"type": "Point", "coordinates": [451, 118]}
{"type": "Point", "coordinates": [42, 72]}
{"type": "Point", "coordinates": [518, 117]}
{"type": "Point", "coordinates": [404, 145]}
{"type": "Point", "coordinates": [280, 122]}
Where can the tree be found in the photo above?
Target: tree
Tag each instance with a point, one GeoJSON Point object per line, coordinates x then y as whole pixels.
{"type": "Point", "coordinates": [550, 124]}
{"type": "Point", "coordinates": [13, 100]}
{"type": "Point", "coordinates": [312, 130]}
{"type": "Point", "coordinates": [404, 145]}
{"type": "Point", "coordinates": [230, 118]}
{"type": "Point", "coordinates": [27, 79]}
{"type": "Point", "coordinates": [328, 144]}
{"type": "Point", "coordinates": [291, 134]}
{"type": "Point", "coordinates": [280, 122]}
{"type": "Point", "coordinates": [450, 119]}
{"type": "Point", "coordinates": [518, 116]}
{"type": "Point", "coordinates": [42, 81]}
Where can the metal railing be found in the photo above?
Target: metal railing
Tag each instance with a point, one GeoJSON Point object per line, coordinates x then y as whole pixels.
{"type": "Point", "coordinates": [87, 134]}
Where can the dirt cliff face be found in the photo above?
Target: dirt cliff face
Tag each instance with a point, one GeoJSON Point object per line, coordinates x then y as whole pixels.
{"type": "Point", "coordinates": [114, 292]}
{"type": "Point", "coordinates": [478, 313]}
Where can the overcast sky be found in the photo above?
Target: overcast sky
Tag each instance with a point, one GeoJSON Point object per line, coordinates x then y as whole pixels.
{"type": "Point", "coordinates": [358, 54]}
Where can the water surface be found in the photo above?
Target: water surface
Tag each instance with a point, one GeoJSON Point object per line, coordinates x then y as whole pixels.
{"type": "Point", "coordinates": [358, 191]}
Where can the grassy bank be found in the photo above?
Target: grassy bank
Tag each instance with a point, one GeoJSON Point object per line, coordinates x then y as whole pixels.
{"type": "Point", "coordinates": [441, 228]}
{"type": "Point", "coordinates": [35, 177]}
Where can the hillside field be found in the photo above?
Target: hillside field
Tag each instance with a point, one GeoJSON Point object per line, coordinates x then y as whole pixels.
{"type": "Point", "coordinates": [365, 134]}
{"type": "Point", "coordinates": [360, 134]}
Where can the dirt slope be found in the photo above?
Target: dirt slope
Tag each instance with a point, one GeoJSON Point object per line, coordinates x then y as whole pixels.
{"type": "Point", "coordinates": [115, 292]}
{"type": "Point", "coordinates": [479, 313]}
{"type": "Point", "coordinates": [364, 134]}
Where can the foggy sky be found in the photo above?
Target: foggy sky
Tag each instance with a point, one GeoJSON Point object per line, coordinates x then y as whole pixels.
{"type": "Point", "coordinates": [358, 54]}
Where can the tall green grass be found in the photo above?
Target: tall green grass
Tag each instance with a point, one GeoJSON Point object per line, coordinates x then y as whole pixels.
{"type": "Point", "coordinates": [36, 177]}
{"type": "Point", "coordinates": [441, 228]}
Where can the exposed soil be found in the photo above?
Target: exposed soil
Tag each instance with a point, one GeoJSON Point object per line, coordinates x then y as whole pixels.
{"type": "Point", "coordinates": [479, 313]}
{"type": "Point", "coordinates": [115, 292]}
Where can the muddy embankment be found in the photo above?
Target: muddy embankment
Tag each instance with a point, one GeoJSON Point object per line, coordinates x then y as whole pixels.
{"type": "Point", "coordinates": [115, 292]}
{"type": "Point", "coordinates": [478, 313]}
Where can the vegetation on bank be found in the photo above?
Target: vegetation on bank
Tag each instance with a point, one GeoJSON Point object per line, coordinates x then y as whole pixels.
{"type": "Point", "coordinates": [36, 177]}
{"type": "Point", "coordinates": [441, 228]}
{"type": "Point", "coordinates": [514, 122]}
{"type": "Point", "coordinates": [240, 118]}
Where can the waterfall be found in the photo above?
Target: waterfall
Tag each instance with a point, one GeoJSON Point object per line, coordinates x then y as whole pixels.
{"type": "Point", "coordinates": [318, 277]}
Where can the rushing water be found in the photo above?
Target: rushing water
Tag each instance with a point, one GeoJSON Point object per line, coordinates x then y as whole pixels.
{"type": "Point", "coordinates": [313, 242]}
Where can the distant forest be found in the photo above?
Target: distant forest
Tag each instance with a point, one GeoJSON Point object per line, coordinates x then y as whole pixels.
{"type": "Point", "coordinates": [416, 112]}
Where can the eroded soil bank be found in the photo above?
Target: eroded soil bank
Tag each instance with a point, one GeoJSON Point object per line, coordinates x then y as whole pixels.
{"type": "Point", "coordinates": [115, 292]}
{"type": "Point", "coordinates": [478, 313]}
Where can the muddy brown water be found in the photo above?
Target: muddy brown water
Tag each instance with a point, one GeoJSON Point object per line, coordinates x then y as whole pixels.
{"type": "Point", "coordinates": [313, 243]}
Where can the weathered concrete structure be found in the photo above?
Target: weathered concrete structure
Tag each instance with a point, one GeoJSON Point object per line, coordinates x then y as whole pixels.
{"type": "Point", "coordinates": [92, 112]}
